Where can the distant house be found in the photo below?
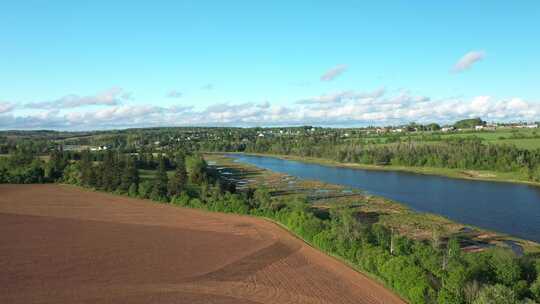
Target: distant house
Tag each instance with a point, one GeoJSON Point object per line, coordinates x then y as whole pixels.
{"type": "Point", "coordinates": [479, 128]}
{"type": "Point", "coordinates": [99, 148]}
{"type": "Point", "coordinates": [448, 129]}
{"type": "Point", "coordinates": [399, 130]}
{"type": "Point", "coordinates": [532, 126]}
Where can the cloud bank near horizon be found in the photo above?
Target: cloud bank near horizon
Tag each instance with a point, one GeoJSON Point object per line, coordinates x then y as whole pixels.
{"type": "Point", "coordinates": [343, 108]}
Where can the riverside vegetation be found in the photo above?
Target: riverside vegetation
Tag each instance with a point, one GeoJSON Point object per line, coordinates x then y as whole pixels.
{"type": "Point", "coordinates": [420, 271]}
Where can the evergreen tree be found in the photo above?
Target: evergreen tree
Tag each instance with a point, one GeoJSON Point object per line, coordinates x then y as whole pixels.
{"type": "Point", "coordinates": [86, 167]}
{"type": "Point", "coordinates": [197, 169]}
{"type": "Point", "coordinates": [108, 172]}
{"type": "Point", "coordinates": [178, 182]}
{"type": "Point", "coordinates": [56, 164]}
{"type": "Point", "coordinates": [130, 175]}
{"type": "Point", "coordinates": [159, 190]}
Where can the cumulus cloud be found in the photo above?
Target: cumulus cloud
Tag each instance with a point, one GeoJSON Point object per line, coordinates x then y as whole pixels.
{"type": "Point", "coordinates": [334, 72]}
{"type": "Point", "coordinates": [6, 107]}
{"type": "Point", "coordinates": [349, 108]}
{"type": "Point", "coordinates": [468, 60]}
{"type": "Point", "coordinates": [109, 97]}
{"type": "Point", "coordinates": [174, 94]}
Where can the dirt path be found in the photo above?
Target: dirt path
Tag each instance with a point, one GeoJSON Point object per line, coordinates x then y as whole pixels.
{"type": "Point", "coordinates": [60, 244]}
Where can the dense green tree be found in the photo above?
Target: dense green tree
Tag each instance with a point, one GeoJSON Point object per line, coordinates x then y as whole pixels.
{"type": "Point", "coordinates": [261, 198]}
{"type": "Point", "coordinates": [130, 175]}
{"type": "Point", "coordinates": [197, 169]}
{"type": "Point", "coordinates": [109, 172]}
{"type": "Point", "coordinates": [56, 164]}
{"type": "Point", "coordinates": [346, 224]}
{"type": "Point", "coordinates": [72, 174]}
{"type": "Point", "coordinates": [178, 181]}
{"type": "Point", "coordinates": [505, 266]}
{"type": "Point", "coordinates": [453, 285]}
{"type": "Point", "coordinates": [535, 289]}
{"type": "Point", "coordinates": [159, 189]}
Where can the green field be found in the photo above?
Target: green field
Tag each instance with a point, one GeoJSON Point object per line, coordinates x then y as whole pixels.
{"type": "Point", "coordinates": [521, 138]}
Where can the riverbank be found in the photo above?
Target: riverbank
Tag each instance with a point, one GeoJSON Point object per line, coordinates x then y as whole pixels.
{"type": "Point", "coordinates": [413, 224]}
{"type": "Point", "coordinates": [481, 175]}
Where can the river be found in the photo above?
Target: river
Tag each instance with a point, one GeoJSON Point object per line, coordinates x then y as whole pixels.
{"type": "Point", "coordinates": [508, 208]}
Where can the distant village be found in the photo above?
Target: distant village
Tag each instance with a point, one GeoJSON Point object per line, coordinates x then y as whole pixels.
{"type": "Point", "coordinates": [159, 138]}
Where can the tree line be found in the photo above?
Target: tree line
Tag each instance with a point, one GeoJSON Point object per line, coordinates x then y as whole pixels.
{"type": "Point", "coordinates": [470, 154]}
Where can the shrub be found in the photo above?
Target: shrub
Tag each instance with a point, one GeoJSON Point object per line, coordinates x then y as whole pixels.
{"type": "Point", "coordinates": [496, 294]}
{"type": "Point", "coordinates": [133, 191]}
{"type": "Point", "coordinates": [145, 188]}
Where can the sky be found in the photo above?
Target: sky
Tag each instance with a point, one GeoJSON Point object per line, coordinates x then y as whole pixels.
{"type": "Point", "coordinates": [86, 65]}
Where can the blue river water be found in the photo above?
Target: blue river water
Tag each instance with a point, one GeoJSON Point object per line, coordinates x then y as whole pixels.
{"type": "Point", "coordinates": [508, 208]}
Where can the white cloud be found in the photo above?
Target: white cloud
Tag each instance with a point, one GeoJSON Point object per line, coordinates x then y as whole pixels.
{"type": "Point", "coordinates": [174, 94]}
{"type": "Point", "coordinates": [348, 108]}
{"type": "Point", "coordinates": [109, 97]}
{"type": "Point", "coordinates": [334, 72]}
{"type": "Point", "coordinates": [6, 107]}
{"type": "Point", "coordinates": [468, 60]}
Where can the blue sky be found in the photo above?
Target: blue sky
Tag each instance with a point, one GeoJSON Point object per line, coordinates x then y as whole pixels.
{"type": "Point", "coordinates": [106, 64]}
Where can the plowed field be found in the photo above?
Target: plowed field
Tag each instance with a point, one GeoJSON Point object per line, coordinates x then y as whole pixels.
{"type": "Point", "coordinates": [61, 244]}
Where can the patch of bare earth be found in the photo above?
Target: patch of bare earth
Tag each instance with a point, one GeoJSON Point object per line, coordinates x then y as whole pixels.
{"type": "Point", "coordinates": [60, 244]}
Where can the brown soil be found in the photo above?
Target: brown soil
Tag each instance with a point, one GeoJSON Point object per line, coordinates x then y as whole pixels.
{"type": "Point", "coordinates": [61, 244]}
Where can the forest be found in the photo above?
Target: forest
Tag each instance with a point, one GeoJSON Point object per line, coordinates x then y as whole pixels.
{"type": "Point", "coordinates": [433, 271]}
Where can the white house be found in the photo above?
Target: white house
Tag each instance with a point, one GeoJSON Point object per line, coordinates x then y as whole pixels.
{"type": "Point", "coordinates": [98, 148]}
